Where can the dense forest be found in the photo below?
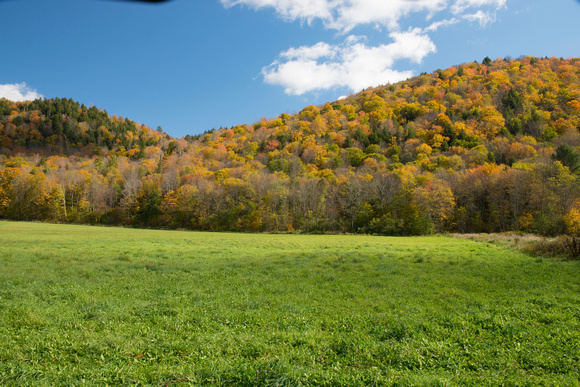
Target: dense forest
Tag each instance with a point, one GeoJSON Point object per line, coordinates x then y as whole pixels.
{"type": "Point", "coordinates": [478, 147]}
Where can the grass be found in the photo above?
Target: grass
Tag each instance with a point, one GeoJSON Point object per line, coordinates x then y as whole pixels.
{"type": "Point", "coordinates": [83, 305]}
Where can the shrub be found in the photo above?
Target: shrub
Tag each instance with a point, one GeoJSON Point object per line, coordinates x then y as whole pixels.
{"type": "Point", "coordinates": [572, 245]}
{"type": "Point", "coordinates": [563, 246]}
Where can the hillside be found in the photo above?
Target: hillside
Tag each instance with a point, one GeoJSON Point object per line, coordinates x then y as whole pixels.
{"type": "Point", "coordinates": [472, 148]}
{"type": "Point", "coordinates": [63, 126]}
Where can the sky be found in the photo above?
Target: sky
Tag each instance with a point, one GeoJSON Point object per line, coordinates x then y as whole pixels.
{"type": "Point", "coordinates": [192, 65]}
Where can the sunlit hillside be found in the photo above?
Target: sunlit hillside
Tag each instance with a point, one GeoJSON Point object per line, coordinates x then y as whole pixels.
{"type": "Point", "coordinates": [478, 147]}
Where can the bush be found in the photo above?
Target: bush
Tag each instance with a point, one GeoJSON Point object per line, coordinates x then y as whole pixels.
{"type": "Point", "coordinates": [572, 245]}
{"type": "Point", "coordinates": [563, 246]}
{"type": "Point", "coordinates": [546, 247]}
{"type": "Point", "coordinates": [385, 225]}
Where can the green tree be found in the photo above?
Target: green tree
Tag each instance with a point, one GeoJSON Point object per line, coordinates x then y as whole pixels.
{"type": "Point", "coordinates": [568, 157]}
{"type": "Point", "coordinates": [512, 100]}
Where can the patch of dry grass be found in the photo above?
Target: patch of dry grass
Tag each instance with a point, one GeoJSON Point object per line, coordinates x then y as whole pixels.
{"type": "Point", "coordinates": [561, 246]}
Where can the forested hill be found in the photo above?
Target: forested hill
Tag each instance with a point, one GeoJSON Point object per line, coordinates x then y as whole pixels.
{"type": "Point", "coordinates": [472, 148]}
{"type": "Point", "coordinates": [63, 126]}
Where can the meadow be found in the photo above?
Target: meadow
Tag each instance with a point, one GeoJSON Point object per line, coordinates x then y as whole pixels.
{"type": "Point", "coordinates": [82, 305]}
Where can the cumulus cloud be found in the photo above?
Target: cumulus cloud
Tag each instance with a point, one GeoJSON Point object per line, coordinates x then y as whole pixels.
{"type": "Point", "coordinates": [352, 64]}
{"type": "Point", "coordinates": [18, 92]}
{"type": "Point", "coordinates": [349, 14]}
{"type": "Point", "coordinates": [344, 15]}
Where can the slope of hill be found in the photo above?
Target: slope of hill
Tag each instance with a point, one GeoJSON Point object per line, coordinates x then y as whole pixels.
{"type": "Point", "coordinates": [472, 148]}
{"type": "Point", "coordinates": [63, 126]}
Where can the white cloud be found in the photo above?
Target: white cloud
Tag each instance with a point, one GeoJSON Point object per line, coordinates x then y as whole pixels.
{"type": "Point", "coordinates": [290, 10]}
{"type": "Point", "coordinates": [442, 23]}
{"type": "Point", "coordinates": [344, 15]}
{"type": "Point", "coordinates": [317, 51]}
{"type": "Point", "coordinates": [350, 14]}
{"type": "Point", "coordinates": [18, 92]}
{"type": "Point", "coordinates": [460, 6]}
{"type": "Point", "coordinates": [353, 64]}
{"type": "Point", "coordinates": [483, 18]}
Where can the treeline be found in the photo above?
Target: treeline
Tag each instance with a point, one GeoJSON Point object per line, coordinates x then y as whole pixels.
{"type": "Point", "coordinates": [487, 147]}
{"type": "Point", "coordinates": [407, 201]}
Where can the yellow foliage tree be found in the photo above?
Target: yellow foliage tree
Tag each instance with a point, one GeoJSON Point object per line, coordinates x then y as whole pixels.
{"type": "Point", "coordinates": [572, 219]}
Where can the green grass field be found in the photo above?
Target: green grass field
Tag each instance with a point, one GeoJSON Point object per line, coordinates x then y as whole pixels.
{"type": "Point", "coordinates": [83, 305]}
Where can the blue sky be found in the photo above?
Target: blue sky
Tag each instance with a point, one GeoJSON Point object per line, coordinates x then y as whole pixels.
{"type": "Point", "coordinates": [192, 65]}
